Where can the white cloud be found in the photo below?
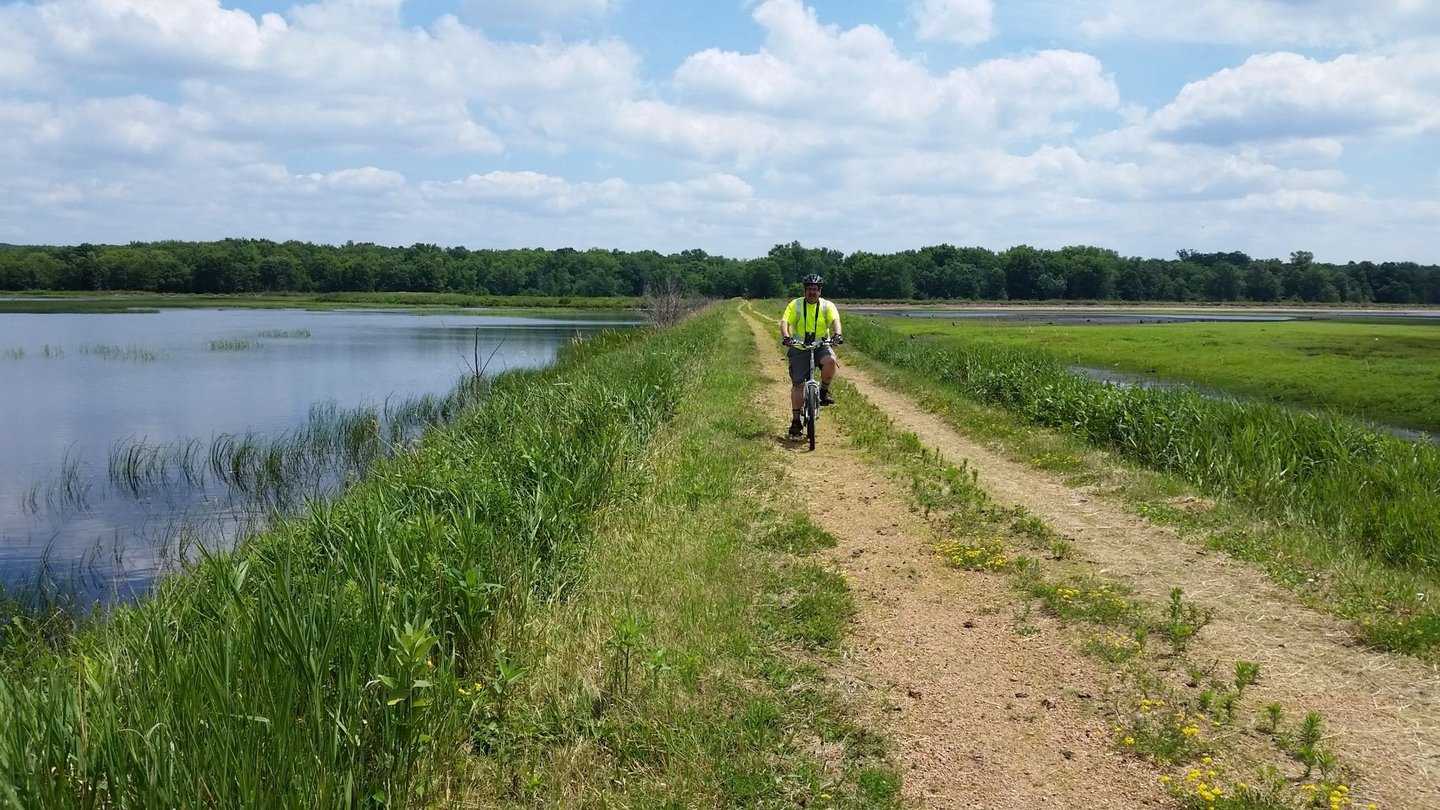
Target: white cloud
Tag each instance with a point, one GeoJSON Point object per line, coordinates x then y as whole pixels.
{"type": "Point", "coordinates": [1285, 95]}
{"type": "Point", "coordinates": [348, 16]}
{"type": "Point", "coordinates": [1316, 23]}
{"type": "Point", "coordinates": [1029, 92]}
{"type": "Point", "coordinates": [1165, 170]}
{"type": "Point", "coordinates": [543, 14]}
{"type": "Point", "coordinates": [965, 21]}
{"type": "Point", "coordinates": [1292, 200]}
{"type": "Point", "coordinates": [717, 187]}
{"type": "Point", "coordinates": [364, 180]}
{"type": "Point", "coordinates": [700, 135]}
{"type": "Point", "coordinates": [143, 37]}
{"type": "Point", "coordinates": [16, 66]}
{"type": "Point", "coordinates": [864, 91]}
{"type": "Point", "coordinates": [526, 185]}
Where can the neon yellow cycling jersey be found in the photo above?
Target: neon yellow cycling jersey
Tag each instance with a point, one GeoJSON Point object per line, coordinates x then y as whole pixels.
{"type": "Point", "coordinates": [807, 319]}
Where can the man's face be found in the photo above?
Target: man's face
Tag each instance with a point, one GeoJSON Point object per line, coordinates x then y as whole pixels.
{"type": "Point", "coordinates": [812, 292]}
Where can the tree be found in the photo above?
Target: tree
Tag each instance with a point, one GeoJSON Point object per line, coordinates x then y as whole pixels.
{"type": "Point", "coordinates": [1261, 283]}
{"type": "Point", "coordinates": [1315, 285]}
{"type": "Point", "coordinates": [1226, 282]}
{"type": "Point", "coordinates": [763, 279]}
{"type": "Point", "coordinates": [1089, 272]}
{"type": "Point", "coordinates": [1022, 265]}
{"type": "Point", "coordinates": [282, 273]}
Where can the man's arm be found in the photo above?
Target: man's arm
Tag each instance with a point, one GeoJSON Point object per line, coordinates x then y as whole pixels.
{"type": "Point", "coordinates": [834, 321]}
{"type": "Point", "coordinates": [785, 321]}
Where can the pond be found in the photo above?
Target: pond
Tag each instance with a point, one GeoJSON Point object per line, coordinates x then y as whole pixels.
{"type": "Point", "coordinates": [130, 441]}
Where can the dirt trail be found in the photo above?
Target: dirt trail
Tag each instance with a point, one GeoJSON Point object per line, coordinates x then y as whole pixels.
{"type": "Point", "coordinates": [1381, 711]}
{"type": "Point", "coordinates": [983, 717]}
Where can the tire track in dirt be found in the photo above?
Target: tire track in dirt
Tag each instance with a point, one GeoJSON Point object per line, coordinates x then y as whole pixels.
{"type": "Point", "coordinates": [1380, 710]}
{"type": "Point", "coordinates": [982, 717]}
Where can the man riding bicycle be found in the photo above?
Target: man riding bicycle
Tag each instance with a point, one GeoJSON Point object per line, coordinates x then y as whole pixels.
{"type": "Point", "coordinates": [806, 321]}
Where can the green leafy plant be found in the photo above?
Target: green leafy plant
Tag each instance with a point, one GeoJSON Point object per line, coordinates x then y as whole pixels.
{"type": "Point", "coordinates": [1182, 620]}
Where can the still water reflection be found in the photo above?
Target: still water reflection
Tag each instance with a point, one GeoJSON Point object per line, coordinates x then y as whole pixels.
{"type": "Point", "coordinates": [77, 389]}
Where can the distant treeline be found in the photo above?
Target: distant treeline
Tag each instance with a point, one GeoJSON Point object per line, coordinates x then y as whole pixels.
{"type": "Point", "coordinates": [938, 271]}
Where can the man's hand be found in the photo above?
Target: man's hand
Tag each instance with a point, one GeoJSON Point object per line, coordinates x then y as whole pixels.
{"type": "Point", "coordinates": [787, 341]}
{"type": "Point", "coordinates": [838, 339]}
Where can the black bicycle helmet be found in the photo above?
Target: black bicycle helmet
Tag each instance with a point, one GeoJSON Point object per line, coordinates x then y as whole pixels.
{"type": "Point", "coordinates": [813, 278]}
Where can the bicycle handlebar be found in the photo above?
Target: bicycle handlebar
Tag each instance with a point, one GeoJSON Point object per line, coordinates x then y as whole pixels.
{"type": "Point", "coordinates": [810, 346]}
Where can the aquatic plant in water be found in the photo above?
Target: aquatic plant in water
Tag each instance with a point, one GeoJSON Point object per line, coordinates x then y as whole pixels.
{"type": "Point", "coordinates": [234, 345]}
{"type": "Point", "coordinates": [131, 353]}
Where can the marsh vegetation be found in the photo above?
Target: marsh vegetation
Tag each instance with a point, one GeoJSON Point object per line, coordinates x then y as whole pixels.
{"type": "Point", "coordinates": [154, 435]}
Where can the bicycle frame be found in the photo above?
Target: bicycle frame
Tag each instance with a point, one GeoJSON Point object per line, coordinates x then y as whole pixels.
{"type": "Point", "coordinates": [810, 412]}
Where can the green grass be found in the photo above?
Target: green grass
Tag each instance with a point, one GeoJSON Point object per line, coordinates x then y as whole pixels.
{"type": "Point", "coordinates": [1385, 373]}
{"type": "Point", "coordinates": [563, 597]}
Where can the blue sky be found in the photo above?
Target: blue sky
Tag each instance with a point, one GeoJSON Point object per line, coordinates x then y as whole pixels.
{"type": "Point", "coordinates": [1146, 126]}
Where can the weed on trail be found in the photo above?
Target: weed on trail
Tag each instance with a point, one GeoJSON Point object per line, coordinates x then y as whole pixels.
{"type": "Point", "coordinates": [794, 534]}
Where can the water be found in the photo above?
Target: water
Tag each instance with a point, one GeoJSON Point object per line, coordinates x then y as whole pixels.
{"type": "Point", "coordinates": [76, 389]}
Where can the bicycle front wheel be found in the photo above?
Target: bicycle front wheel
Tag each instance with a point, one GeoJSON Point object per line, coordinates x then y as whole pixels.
{"type": "Point", "coordinates": [812, 413]}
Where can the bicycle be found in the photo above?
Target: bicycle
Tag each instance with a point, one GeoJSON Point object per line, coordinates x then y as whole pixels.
{"type": "Point", "coordinates": [810, 409]}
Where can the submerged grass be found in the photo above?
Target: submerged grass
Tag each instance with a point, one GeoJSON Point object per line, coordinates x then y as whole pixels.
{"type": "Point", "coordinates": [129, 353]}
{"type": "Point", "coordinates": [333, 448]}
{"type": "Point", "coordinates": [234, 345]}
{"type": "Point", "coordinates": [1345, 516]}
{"type": "Point", "coordinates": [551, 600]}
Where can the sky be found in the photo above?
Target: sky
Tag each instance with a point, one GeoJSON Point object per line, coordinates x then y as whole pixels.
{"type": "Point", "coordinates": [1143, 126]}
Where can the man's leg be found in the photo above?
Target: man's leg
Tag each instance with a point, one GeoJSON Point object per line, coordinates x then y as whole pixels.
{"type": "Point", "coordinates": [797, 400]}
{"type": "Point", "coordinates": [827, 373]}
